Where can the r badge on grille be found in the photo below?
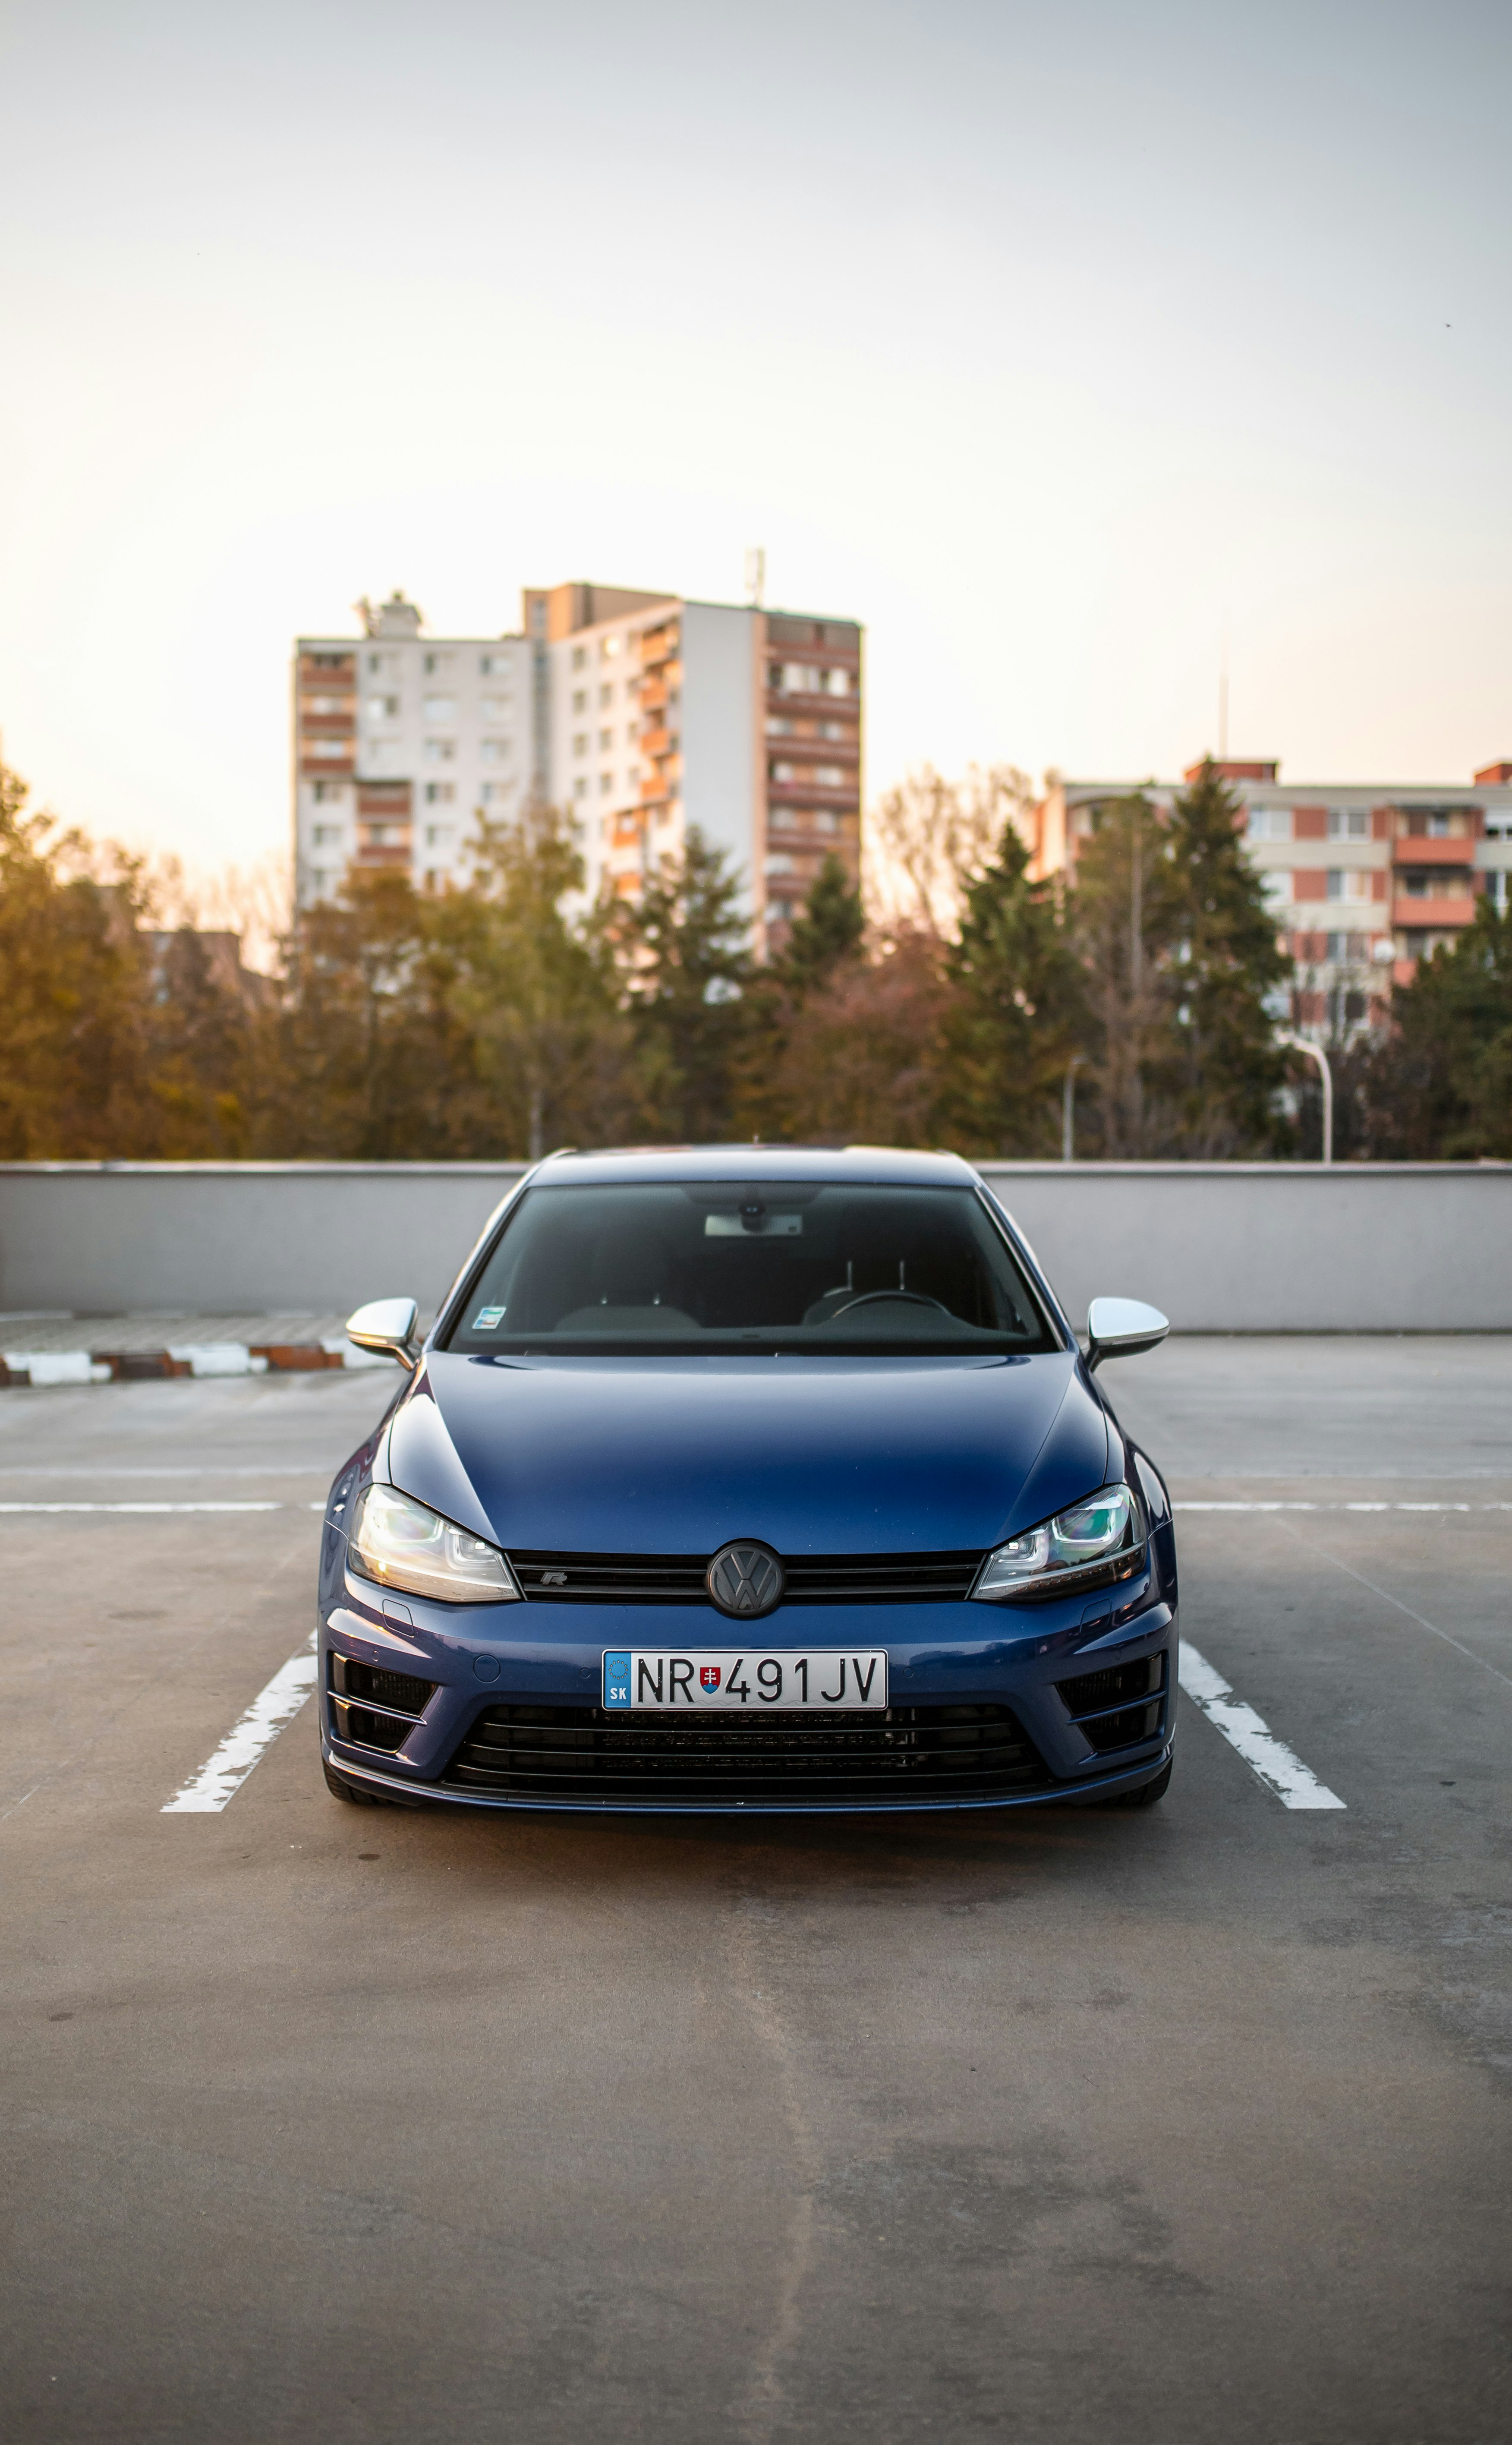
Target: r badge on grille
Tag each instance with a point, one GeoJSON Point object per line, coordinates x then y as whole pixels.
{"type": "Point", "coordinates": [746, 1580]}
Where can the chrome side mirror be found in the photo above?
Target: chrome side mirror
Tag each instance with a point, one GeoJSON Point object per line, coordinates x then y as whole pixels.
{"type": "Point", "coordinates": [387, 1327]}
{"type": "Point", "coordinates": [1120, 1328]}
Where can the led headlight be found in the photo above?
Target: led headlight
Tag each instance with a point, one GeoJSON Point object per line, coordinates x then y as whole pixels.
{"type": "Point", "coordinates": [1064, 1553]}
{"type": "Point", "coordinates": [403, 1543]}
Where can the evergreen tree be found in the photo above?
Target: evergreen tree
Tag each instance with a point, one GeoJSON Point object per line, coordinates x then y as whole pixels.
{"type": "Point", "coordinates": [1223, 1067]}
{"type": "Point", "coordinates": [1019, 1012]}
{"type": "Point", "coordinates": [827, 931]}
{"type": "Point", "coordinates": [1439, 1085]}
{"type": "Point", "coordinates": [683, 949]}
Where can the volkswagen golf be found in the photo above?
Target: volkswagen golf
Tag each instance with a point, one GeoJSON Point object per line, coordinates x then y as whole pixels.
{"type": "Point", "coordinates": [749, 1479]}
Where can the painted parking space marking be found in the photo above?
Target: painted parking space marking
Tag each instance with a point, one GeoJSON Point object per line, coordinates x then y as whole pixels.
{"type": "Point", "coordinates": [1341, 1506]}
{"type": "Point", "coordinates": [1277, 1767]}
{"type": "Point", "coordinates": [155, 1510]}
{"type": "Point", "coordinates": [221, 1777]}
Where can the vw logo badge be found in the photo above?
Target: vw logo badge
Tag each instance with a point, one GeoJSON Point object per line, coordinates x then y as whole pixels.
{"type": "Point", "coordinates": [746, 1580]}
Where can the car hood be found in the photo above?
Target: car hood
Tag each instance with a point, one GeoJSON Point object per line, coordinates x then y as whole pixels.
{"type": "Point", "coordinates": [813, 1456]}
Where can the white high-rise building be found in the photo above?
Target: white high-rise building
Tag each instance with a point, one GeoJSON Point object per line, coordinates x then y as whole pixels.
{"type": "Point", "coordinates": [637, 714]}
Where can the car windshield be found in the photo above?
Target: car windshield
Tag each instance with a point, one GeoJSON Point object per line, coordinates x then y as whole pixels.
{"type": "Point", "coordinates": [801, 1266]}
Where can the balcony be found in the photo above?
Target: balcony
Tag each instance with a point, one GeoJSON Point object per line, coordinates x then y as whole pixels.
{"type": "Point", "coordinates": [659, 645]}
{"type": "Point", "coordinates": [1433, 915]}
{"type": "Point", "coordinates": [1406, 852]}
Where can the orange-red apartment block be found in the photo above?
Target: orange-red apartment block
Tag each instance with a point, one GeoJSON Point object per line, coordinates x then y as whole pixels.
{"type": "Point", "coordinates": [1364, 878]}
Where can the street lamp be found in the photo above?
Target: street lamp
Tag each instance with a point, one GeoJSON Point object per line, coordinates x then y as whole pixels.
{"type": "Point", "coordinates": [1315, 1052]}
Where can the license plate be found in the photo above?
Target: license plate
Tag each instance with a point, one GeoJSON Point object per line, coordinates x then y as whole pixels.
{"type": "Point", "coordinates": [811, 1680]}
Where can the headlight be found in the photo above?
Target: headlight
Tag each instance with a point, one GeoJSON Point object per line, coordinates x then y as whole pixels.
{"type": "Point", "coordinates": [403, 1543]}
{"type": "Point", "coordinates": [1077, 1546]}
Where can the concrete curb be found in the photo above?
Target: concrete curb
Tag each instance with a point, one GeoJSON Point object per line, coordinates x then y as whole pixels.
{"type": "Point", "coordinates": [43, 1368]}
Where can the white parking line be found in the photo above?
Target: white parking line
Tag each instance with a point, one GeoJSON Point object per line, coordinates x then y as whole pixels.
{"type": "Point", "coordinates": [221, 1777]}
{"type": "Point", "coordinates": [1341, 1506]}
{"type": "Point", "coordinates": [1279, 1768]}
{"type": "Point", "coordinates": [154, 1507]}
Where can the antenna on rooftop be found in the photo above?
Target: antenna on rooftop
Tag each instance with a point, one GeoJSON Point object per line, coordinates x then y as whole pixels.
{"type": "Point", "coordinates": [756, 575]}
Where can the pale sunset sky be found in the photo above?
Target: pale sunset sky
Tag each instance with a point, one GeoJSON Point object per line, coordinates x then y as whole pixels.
{"type": "Point", "coordinates": [1042, 340]}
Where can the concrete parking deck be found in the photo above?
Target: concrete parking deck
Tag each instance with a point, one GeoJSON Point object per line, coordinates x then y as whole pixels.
{"type": "Point", "coordinates": [1100, 2128]}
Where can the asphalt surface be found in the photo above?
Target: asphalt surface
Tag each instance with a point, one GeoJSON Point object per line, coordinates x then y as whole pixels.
{"type": "Point", "coordinates": [1099, 2128]}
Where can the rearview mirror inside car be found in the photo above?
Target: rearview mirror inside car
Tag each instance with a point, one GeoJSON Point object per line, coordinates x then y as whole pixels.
{"type": "Point", "coordinates": [1119, 1328]}
{"type": "Point", "coordinates": [387, 1327]}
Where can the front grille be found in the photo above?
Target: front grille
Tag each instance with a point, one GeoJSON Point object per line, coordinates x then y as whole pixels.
{"type": "Point", "coordinates": [677, 1578]}
{"type": "Point", "coordinates": [909, 1753]}
{"type": "Point", "coordinates": [1100, 1703]}
{"type": "Point", "coordinates": [397, 1701]}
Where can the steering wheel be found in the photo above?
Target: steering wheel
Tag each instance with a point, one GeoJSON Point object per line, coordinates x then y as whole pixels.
{"type": "Point", "coordinates": [868, 1299]}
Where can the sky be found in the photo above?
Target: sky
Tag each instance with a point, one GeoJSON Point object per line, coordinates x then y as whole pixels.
{"type": "Point", "coordinates": [1051, 342]}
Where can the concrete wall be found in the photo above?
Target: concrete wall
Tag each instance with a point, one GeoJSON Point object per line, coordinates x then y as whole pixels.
{"type": "Point", "coordinates": [1239, 1247]}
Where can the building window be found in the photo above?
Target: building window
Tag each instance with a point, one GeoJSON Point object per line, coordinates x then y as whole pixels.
{"type": "Point", "coordinates": [606, 741]}
{"type": "Point", "coordinates": [1349, 823]}
{"type": "Point", "coordinates": [606, 696]}
{"type": "Point", "coordinates": [829, 776]}
{"type": "Point", "coordinates": [1270, 823]}
{"type": "Point", "coordinates": [383, 708]}
{"type": "Point", "coordinates": [329, 793]}
{"type": "Point", "coordinates": [783, 819]}
{"type": "Point", "coordinates": [495, 793]}
{"type": "Point", "coordinates": [326, 835]}
{"type": "Point", "coordinates": [436, 835]}
{"type": "Point", "coordinates": [494, 751]}
{"type": "Point", "coordinates": [580, 742]}
{"type": "Point", "coordinates": [606, 784]}
{"type": "Point", "coordinates": [578, 657]}
{"type": "Point", "coordinates": [497, 708]}
{"type": "Point", "coordinates": [440, 708]}
{"type": "Point", "coordinates": [580, 787]}
{"type": "Point", "coordinates": [439, 794]}
{"type": "Point", "coordinates": [610, 647]}
{"type": "Point", "coordinates": [1349, 883]}
{"type": "Point", "coordinates": [328, 749]}
{"type": "Point", "coordinates": [1276, 889]}
{"type": "Point", "coordinates": [580, 700]}
{"type": "Point", "coordinates": [441, 751]}
{"type": "Point", "coordinates": [493, 666]}
{"type": "Point", "coordinates": [782, 773]}
{"type": "Point", "coordinates": [825, 822]}
{"type": "Point", "coordinates": [437, 662]}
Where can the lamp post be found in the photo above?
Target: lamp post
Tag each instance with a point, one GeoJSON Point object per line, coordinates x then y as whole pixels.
{"type": "Point", "coordinates": [1068, 1107]}
{"type": "Point", "coordinates": [1315, 1052]}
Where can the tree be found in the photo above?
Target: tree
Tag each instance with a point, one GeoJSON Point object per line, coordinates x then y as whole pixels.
{"type": "Point", "coordinates": [1116, 918]}
{"type": "Point", "coordinates": [74, 1003]}
{"type": "Point", "coordinates": [1019, 1012]}
{"type": "Point", "coordinates": [862, 1060]}
{"type": "Point", "coordinates": [827, 931]}
{"type": "Point", "coordinates": [537, 993]}
{"type": "Point", "coordinates": [1225, 968]}
{"type": "Point", "coordinates": [684, 951]}
{"type": "Point", "coordinates": [1439, 1088]}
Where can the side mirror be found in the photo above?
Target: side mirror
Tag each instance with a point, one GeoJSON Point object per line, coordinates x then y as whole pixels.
{"type": "Point", "coordinates": [1120, 1328]}
{"type": "Point", "coordinates": [386, 1327]}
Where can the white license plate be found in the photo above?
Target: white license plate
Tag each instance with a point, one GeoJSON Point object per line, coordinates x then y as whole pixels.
{"type": "Point", "coordinates": [731, 1680]}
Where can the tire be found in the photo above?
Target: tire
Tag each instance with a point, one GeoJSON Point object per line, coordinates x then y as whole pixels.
{"type": "Point", "coordinates": [352, 1793]}
{"type": "Point", "coordinates": [1149, 1793]}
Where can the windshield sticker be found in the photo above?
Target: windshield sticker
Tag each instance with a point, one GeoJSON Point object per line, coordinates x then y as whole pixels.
{"type": "Point", "coordinates": [762, 1226]}
{"type": "Point", "coordinates": [487, 1319]}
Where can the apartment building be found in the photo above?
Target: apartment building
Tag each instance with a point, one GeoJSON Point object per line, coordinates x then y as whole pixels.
{"type": "Point", "coordinates": [640, 714]}
{"type": "Point", "coordinates": [1365, 879]}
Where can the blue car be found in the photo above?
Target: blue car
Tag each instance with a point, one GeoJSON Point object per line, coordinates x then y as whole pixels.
{"type": "Point", "coordinates": [749, 1479]}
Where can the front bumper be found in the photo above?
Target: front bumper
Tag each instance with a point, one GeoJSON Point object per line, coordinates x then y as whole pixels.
{"type": "Point", "coordinates": [940, 1655]}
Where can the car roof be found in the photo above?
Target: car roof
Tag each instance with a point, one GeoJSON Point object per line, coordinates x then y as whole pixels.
{"type": "Point", "coordinates": [891, 1167]}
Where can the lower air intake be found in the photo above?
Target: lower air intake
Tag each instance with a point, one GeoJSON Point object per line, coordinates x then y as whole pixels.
{"type": "Point", "coordinates": [908, 1754]}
